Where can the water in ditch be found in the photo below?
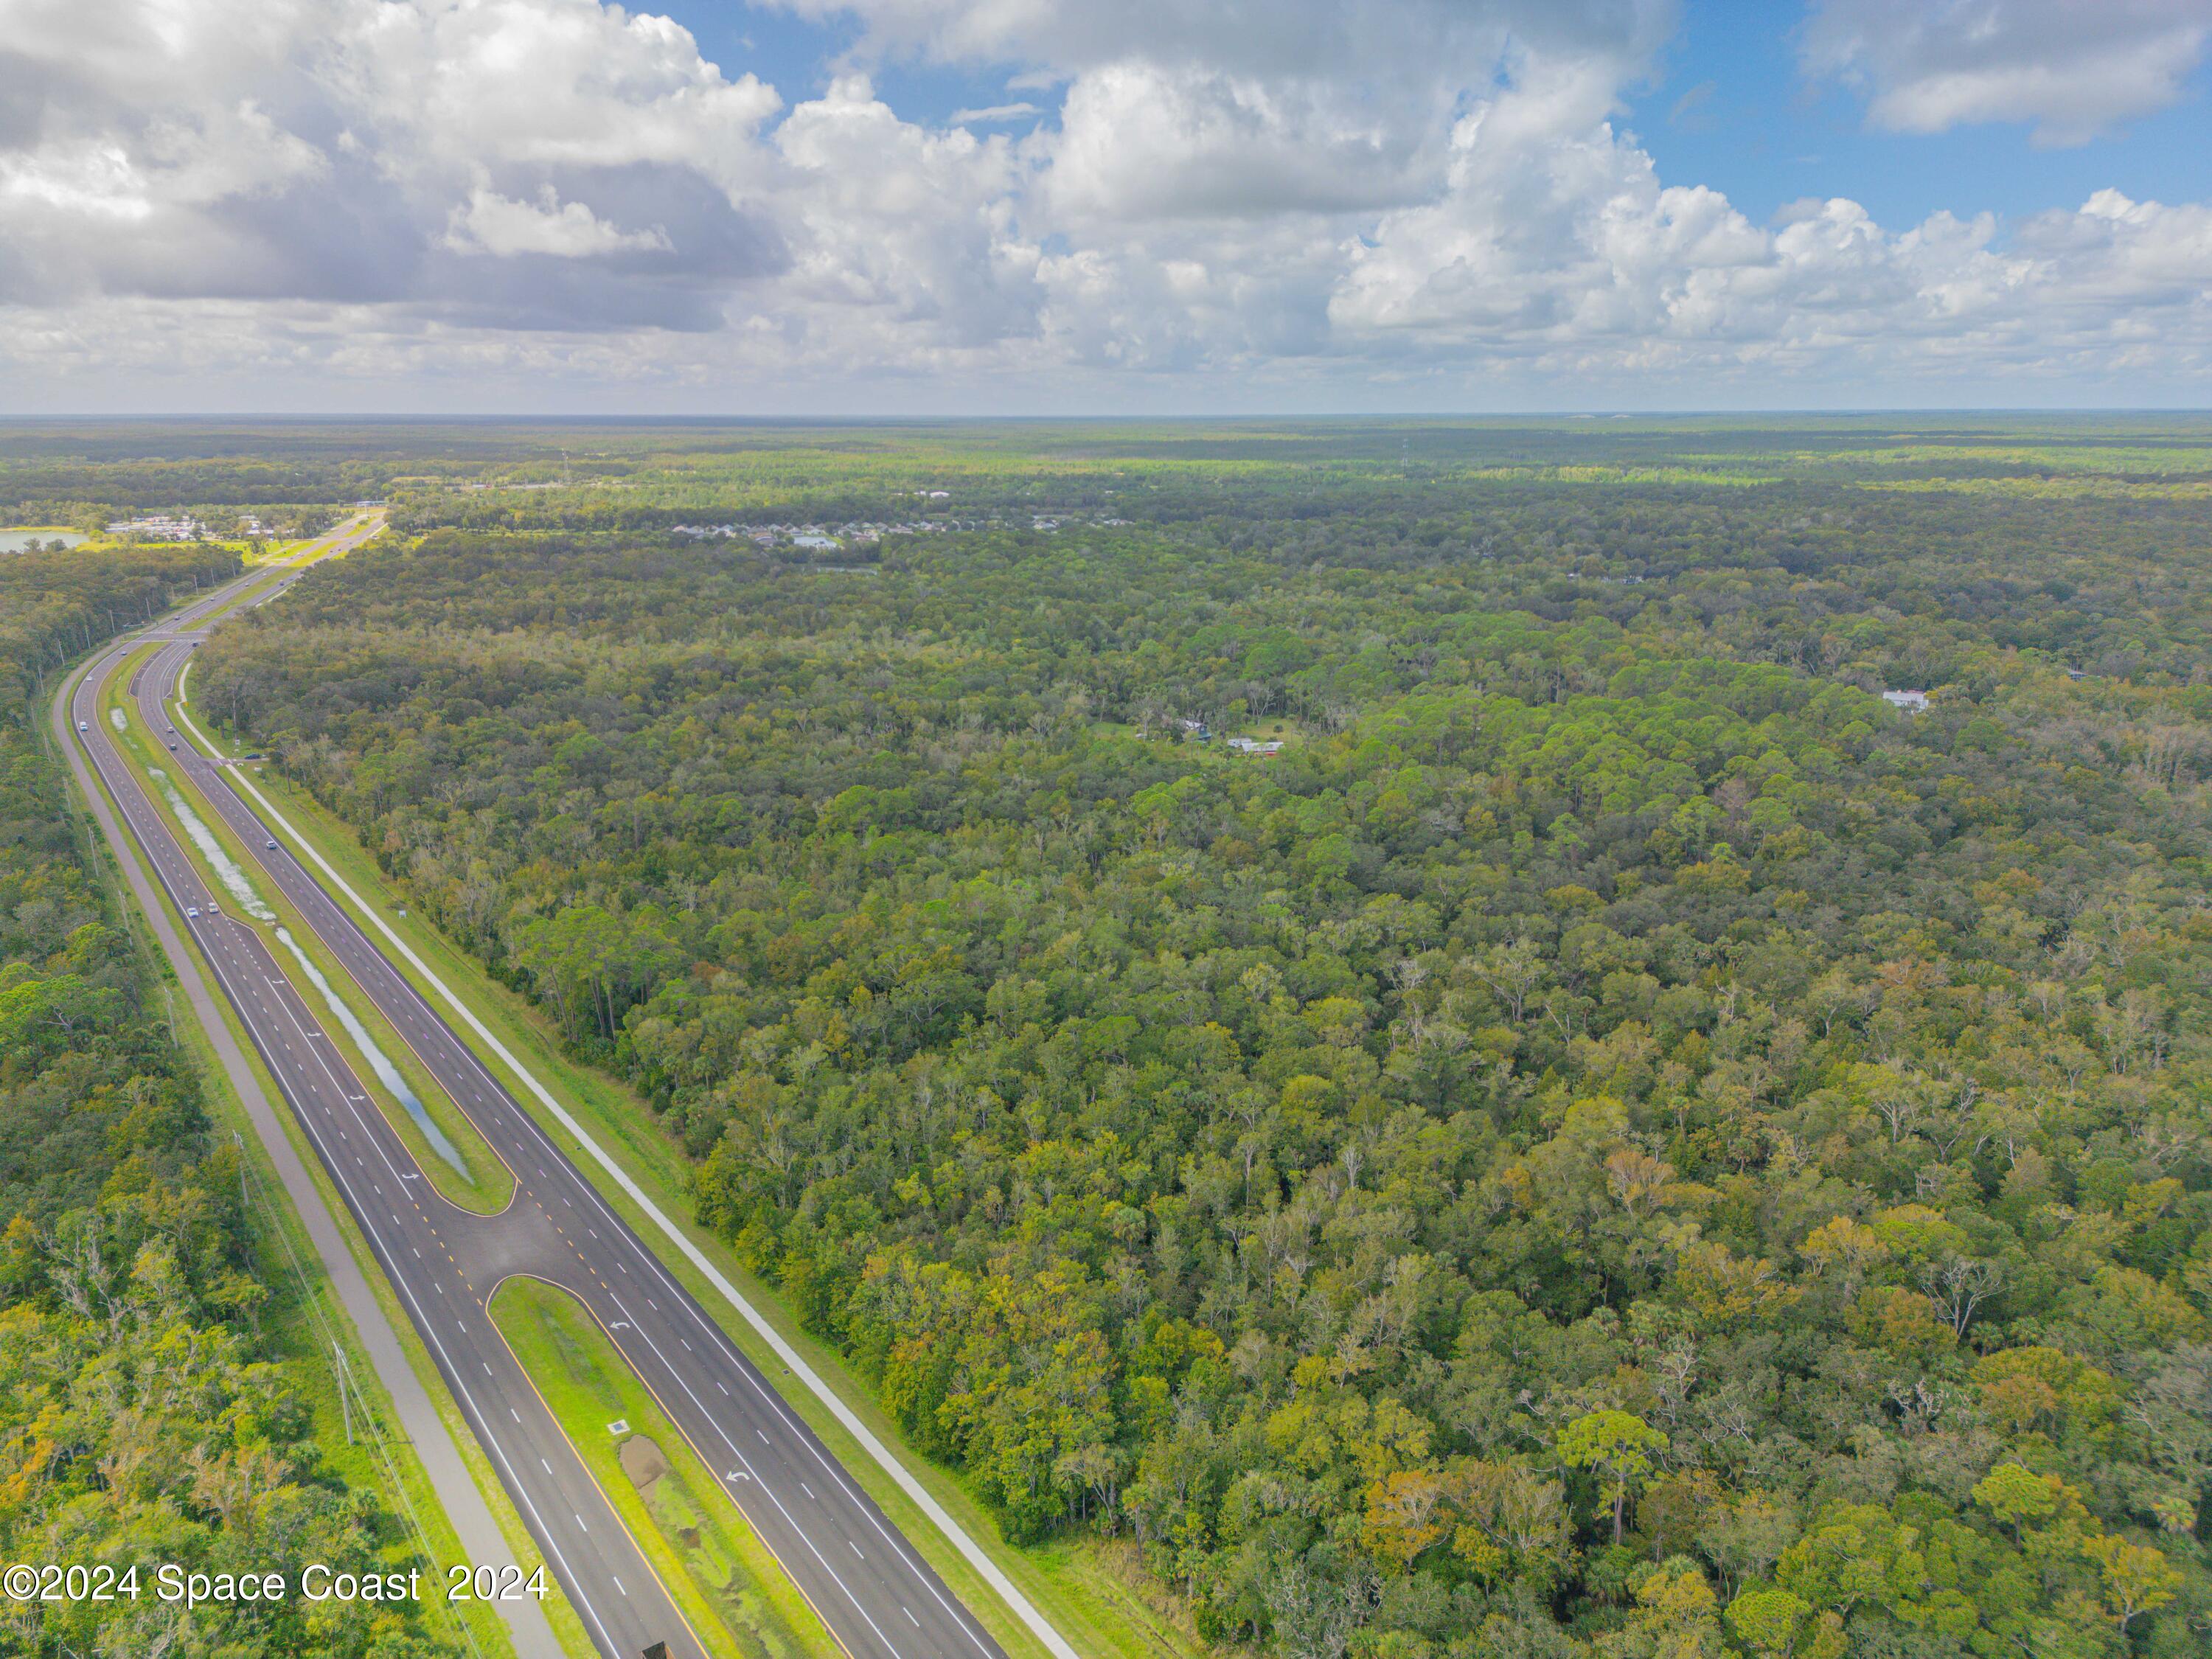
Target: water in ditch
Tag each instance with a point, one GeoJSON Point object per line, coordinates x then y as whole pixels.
{"type": "Point", "coordinates": [240, 888]}
{"type": "Point", "coordinates": [379, 1062]}
{"type": "Point", "coordinates": [233, 879]}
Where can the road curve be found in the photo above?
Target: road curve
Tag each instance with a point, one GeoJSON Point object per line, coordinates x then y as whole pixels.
{"type": "Point", "coordinates": [476, 1533]}
{"type": "Point", "coordinates": [868, 1584]}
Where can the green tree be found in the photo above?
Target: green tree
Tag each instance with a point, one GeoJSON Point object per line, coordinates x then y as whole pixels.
{"type": "Point", "coordinates": [1617, 1446]}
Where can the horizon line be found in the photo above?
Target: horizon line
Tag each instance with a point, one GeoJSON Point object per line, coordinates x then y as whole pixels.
{"type": "Point", "coordinates": [489, 417]}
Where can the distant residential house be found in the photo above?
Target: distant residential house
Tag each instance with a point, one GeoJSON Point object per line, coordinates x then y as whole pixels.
{"type": "Point", "coordinates": [1912, 702]}
{"type": "Point", "coordinates": [1253, 746]}
{"type": "Point", "coordinates": [817, 543]}
{"type": "Point", "coordinates": [1196, 731]}
{"type": "Point", "coordinates": [159, 527]}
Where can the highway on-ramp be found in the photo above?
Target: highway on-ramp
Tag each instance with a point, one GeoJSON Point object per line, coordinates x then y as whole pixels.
{"type": "Point", "coordinates": [867, 1583]}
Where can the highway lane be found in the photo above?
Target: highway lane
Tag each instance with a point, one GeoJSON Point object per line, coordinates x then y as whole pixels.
{"type": "Point", "coordinates": [413, 1236]}
{"type": "Point", "coordinates": [868, 1584]}
{"type": "Point", "coordinates": [416, 1417]}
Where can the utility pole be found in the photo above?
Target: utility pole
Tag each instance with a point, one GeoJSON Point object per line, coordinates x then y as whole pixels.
{"type": "Point", "coordinates": [344, 1404]}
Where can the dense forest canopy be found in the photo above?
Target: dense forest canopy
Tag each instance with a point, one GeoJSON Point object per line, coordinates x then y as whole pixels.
{"type": "Point", "coordinates": [1614, 1140]}
{"type": "Point", "coordinates": [144, 1415]}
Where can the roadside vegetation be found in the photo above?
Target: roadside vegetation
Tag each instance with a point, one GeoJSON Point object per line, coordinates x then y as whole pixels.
{"type": "Point", "coordinates": [162, 1393]}
{"type": "Point", "coordinates": [445, 1145]}
{"type": "Point", "coordinates": [1616, 1140]}
{"type": "Point", "coordinates": [728, 1585]}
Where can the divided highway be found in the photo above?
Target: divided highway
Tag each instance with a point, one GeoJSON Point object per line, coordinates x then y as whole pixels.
{"type": "Point", "coordinates": [870, 1587]}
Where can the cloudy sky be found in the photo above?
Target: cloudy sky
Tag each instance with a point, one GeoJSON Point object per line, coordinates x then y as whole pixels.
{"type": "Point", "coordinates": [1064, 206]}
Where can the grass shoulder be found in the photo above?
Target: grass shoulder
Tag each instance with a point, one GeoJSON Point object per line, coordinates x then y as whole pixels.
{"type": "Point", "coordinates": [466, 1170]}
{"type": "Point", "coordinates": [304, 1329]}
{"type": "Point", "coordinates": [1082, 1587]}
{"type": "Point", "coordinates": [230, 1116]}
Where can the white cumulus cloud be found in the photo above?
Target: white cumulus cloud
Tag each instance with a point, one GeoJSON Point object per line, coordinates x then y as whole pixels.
{"type": "Point", "coordinates": [495, 224]}
{"type": "Point", "coordinates": [320, 202]}
{"type": "Point", "coordinates": [2074, 67]}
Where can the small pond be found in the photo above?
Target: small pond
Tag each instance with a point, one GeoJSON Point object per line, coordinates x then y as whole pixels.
{"type": "Point", "coordinates": [15, 541]}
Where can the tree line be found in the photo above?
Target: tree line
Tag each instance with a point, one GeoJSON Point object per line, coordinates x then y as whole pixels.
{"type": "Point", "coordinates": [1615, 1141]}
{"type": "Point", "coordinates": [147, 1414]}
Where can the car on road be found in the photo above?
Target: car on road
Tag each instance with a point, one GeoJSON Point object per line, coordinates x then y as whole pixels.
{"type": "Point", "coordinates": [173, 748]}
{"type": "Point", "coordinates": [193, 911]}
{"type": "Point", "coordinates": [81, 727]}
{"type": "Point", "coordinates": [271, 846]}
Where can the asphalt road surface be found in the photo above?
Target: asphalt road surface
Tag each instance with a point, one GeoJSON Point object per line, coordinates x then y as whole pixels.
{"type": "Point", "coordinates": [868, 1584]}
{"type": "Point", "coordinates": [415, 1415]}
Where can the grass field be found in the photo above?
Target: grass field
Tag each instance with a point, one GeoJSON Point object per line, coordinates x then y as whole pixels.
{"type": "Point", "coordinates": [728, 1585]}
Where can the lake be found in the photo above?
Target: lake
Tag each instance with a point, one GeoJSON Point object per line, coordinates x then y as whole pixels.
{"type": "Point", "coordinates": [15, 541]}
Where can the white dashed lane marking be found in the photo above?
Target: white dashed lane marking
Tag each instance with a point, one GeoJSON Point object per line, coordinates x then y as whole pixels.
{"type": "Point", "coordinates": [316, 903]}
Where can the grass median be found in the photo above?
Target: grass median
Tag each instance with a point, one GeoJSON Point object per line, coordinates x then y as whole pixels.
{"type": "Point", "coordinates": [444, 1143]}
{"type": "Point", "coordinates": [306, 1322]}
{"type": "Point", "coordinates": [1089, 1589]}
{"type": "Point", "coordinates": [731, 1590]}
